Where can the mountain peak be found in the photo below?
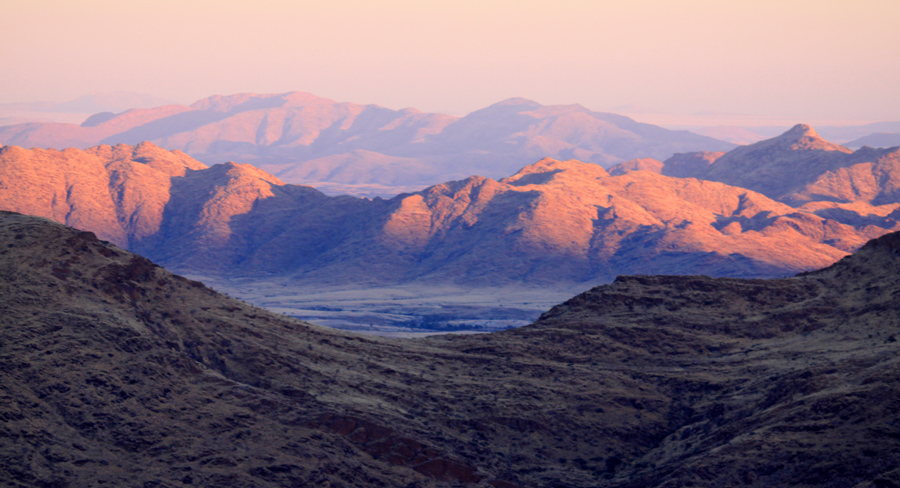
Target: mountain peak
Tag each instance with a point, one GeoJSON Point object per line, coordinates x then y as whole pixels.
{"type": "Point", "coordinates": [544, 171]}
{"type": "Point", "coordinates": [801, 130]}
{"type": "Point", "coordinates": [802, 137]}
{"type": "Point", "coordinates": [146, 146]}
{"type": "Point", "coordinates": [516, 101]}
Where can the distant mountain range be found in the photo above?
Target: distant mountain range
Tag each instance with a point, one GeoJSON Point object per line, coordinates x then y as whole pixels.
{"type": "Point", "coordinates": [115, 372]}
{"type": "Point", "coordinates": [367, 149]}
{"type": "Point", "coordinates": [797, 168]}
{"type": "Point", "coordinates": [804, 204]}
{"type": "Point", "coordinates": [875, 134]}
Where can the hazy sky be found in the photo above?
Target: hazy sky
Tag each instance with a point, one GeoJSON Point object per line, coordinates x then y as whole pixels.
{"type": "Point", "coordinates": [835, 59]}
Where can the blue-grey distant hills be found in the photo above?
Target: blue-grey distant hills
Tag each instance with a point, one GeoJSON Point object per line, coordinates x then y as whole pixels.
{"type": "Point", "coordinates": [367, 149]}
{"type": "Point", "coordinates": [878, 139]}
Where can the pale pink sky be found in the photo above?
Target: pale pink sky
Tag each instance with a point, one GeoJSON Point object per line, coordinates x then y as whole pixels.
{"type": "Point", "coordinates": [834, 59]}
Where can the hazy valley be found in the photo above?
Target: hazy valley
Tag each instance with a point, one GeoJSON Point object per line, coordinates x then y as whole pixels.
{"type": "Point", "coordinates": [476, 252]}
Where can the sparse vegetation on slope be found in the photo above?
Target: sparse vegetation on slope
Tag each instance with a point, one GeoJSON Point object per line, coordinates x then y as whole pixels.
{"type": "Point", "coordinates": [115, 370]}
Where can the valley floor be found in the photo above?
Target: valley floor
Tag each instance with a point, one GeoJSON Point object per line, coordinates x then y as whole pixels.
{"type": "Point", "coordinates": [408, 310]}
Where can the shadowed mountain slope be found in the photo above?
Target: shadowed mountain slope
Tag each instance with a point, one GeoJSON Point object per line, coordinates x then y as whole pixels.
{"type": "Point", "coordinates": [551, 222]}
{"type": "Point", "coordinates": [307, 139]}
{"type": "Point", "coordinates": [775, 166]}
{"type": "Point", "coordinates": [115, 371]}
{"type": "Point", "coordinates": [802, 170]}
{"type": "Point", "coordinates": [796, 167]}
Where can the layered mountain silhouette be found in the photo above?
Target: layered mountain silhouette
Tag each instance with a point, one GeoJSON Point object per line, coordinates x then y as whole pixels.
{"type": "Point", "coordinates": [116, 372]}
{"type": "Point", "coordinates": [801, 169]}
{"type": "Point", "coordinates": [362, 149]}
{"type": "Point", "coordinates": [552, 222]}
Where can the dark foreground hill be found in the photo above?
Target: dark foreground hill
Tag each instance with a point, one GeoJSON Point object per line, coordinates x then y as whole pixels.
{"type": "Point", "coordinates": [114, 371]}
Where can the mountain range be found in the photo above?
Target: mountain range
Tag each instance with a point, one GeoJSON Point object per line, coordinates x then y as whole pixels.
{"type": "Point", "coordinates": [367, 149]}
{"type": "Point", "coordinates": [874, 134]}
{"type": "Point", "coordinates": [113, 371]}
{"type": "Point", "coordinates": [797, 168]}
{"type": "Point", "coordinates": [551, 222]}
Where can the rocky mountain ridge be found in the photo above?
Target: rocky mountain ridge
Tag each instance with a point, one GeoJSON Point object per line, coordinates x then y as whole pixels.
{"type": "Point", "coordinates": [796, 168]}
{"type": "Point", "coordinates": [115, 371]}
{"type": "Point", "coordinates": [553, 221]}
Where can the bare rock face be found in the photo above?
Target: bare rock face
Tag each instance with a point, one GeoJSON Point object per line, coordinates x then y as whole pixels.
{"type": "Point", "coordinates": [114, 371]}
{"type": "Point", "coordinates": [118, 192]}
{"type": "Point", "coordinates": [553, 221]}
{"type": "Point", "coordinates": [798, 167]}
{"type": "Point", "coordinates": [869, 175]}
{"type": "Point", "coordinates": [775, 166]}
{"type": "Point", "coordinates": [804, 171]}
{"type": "Point", "coordinates": [67, 186]}
{"type": "Point", "coordinates": [643, 164]}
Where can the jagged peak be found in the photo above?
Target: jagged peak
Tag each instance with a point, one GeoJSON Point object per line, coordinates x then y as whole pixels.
{"type": "Point", "coordinates": [801, 137]}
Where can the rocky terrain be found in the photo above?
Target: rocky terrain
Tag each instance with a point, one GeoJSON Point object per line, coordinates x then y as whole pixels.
{"type": "Point", "coordinates": [118, 192]}
{"type": "Point", "coordinates": [367, 149]}
{"type": "Point", "coordinates": [796, 167]}
{"type": "Point", "coordinates": [554, 226]}
{"type": "Point", "coordinates": [552, 222]}
{"type": "Point", "coordinates": [114, 371]}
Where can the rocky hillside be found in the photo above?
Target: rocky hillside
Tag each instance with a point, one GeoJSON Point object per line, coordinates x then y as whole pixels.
{"type": "Point", "coordinates": [551, 222]}
{"type": "Point", "coordinates": [366, 148]}
{"type": "Point", "coordinates": [796, 168]}
{"type": "Point", "coordinates": [113, 371]}
{"type": "Point", "coordinates": [119, 192]}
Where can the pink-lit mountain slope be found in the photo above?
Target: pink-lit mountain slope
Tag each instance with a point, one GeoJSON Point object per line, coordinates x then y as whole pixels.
{"type": "Point", "coordinates": [118, 192]}
{"type": "Point", "coordinates": [551, 222]}
{"type": "Point", "coordinates": [801, 169]}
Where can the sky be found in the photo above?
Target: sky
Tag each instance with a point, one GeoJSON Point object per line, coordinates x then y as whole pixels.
{"type": "Point", "coordinates": [822, 59]}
